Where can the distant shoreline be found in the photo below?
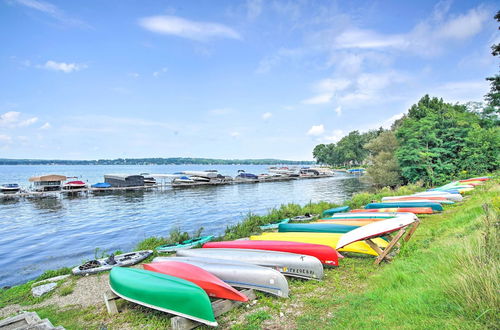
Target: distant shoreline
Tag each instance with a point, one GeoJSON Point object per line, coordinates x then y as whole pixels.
{"type": "Point", "coordinates": [154, 161]}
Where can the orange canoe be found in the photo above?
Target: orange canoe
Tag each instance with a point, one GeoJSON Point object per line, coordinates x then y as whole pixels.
{"type": "Point", "coordinates": [414, 210]}
{"type": "Point", "coordinates": [349, 222]}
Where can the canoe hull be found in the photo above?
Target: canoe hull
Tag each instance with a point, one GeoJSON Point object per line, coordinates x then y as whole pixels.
{"type": "Point", "coordinates": [162, 292]}
{"type": "Point", "coordinates": [434, 206]}
{"type": "Point", "coordinates": [212, 285]}
{"type": "Point", "coordinates": [325, 254]}
{"type": "Point", "coordinates": [289, 264]}
{"type": "Point", "coordinates": [189, 244]}
{"type": "Point", "coordinates": [414, 210]}
{"type": "Point", "coordinates": [320, 238]}
{"type": "Point", "coordinates": [239, 274]}
{"type": "Point", "coordinates": [315, 228]}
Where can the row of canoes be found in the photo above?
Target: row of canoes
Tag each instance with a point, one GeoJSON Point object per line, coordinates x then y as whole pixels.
{"type": "Point", "coordinates": [183, 284]}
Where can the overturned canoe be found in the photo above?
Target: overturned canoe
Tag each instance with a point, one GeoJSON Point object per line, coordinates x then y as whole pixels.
{"type": "Point", "coordinates": [414, 210]}
{"type": "Point", "coordinates": [239, 274]}
{"type": "Point", "coordinates": [289, 264]}
{"type": "Point", "coordinates": [326, 254]}
{"type": "Point", "coordinates": [420, 201]}
{"type": "Point", "coordinates": [434, 206]}
{"type": "Point", "coordinates": [451, 196]}
{"type": "Point", "coordinates": [321, 238]}
{"type": "Point", "coordinates": [274, 225]}
{"type": "Point", "coordinates": [162, 292]}
{"type": "Point", "coordinates": [187, 244]}
{"type": "Point", "coordinates": [315, 227]}
{"type": "Point", "coordinates": [375, 229]}
{"type": "Point", "coordinates": [348, 222]}
{"type": "Point", "coordinates": [330, 212]}
{"type": "Point", "coordinates": [212, 285]}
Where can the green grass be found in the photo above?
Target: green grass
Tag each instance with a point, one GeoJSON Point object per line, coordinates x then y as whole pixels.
{"type": "Point", "coordinates": [446, 276]}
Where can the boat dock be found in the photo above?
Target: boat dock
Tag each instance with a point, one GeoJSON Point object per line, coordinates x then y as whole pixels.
{"type": "Point", "coordinates": [160, 186]}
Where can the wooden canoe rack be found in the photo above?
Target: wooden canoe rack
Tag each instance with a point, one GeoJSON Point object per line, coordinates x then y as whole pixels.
{"type": "Point", "coordinates": [219, 306]}
{"type": "Point", "coordinates": [394, 242]}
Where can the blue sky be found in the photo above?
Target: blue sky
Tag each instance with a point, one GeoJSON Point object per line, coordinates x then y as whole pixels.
{"type": "Point", "coordinates": [227, 79]}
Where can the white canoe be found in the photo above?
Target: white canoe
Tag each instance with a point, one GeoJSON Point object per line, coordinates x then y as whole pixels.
{"type": "Point", "coordinates": [375, 229]}
{"type": "Point", "coordinates": [457, 197]}
{"type": "Point", "coordinates": [452, 197]}
{"type": "Point", "coordinates": [290, 264]}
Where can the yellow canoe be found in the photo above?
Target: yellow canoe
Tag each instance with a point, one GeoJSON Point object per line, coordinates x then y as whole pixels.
{"type": "Point", "coordinates": [323, 239]}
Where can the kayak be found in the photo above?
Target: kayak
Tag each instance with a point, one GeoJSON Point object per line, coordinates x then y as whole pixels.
{"type": "Point", "coordinates": [289, 264]}
{"type": "Point", "coordinates": [330, 212]}
{"type": "Point", "coordinates": [104, 264]}
{"type": "Point", "coordinates": [274, 225]}
{"type": "Point", "coordinates": [187, 244]}
{"type": "Point", "coordinates": [162, 292]}
{"type": "Point", "coordinates": [325, 254]}
{"type": "Point", "coordinates": [212, 285]}
{"type": "Point", "coordinates": [434, 206]}
{"type": "Point", "coordinates": [320, 238]}
{"type": "Point", "coordinates": [414, 210]}
{"type": "Point", "coordinates": [315, 227]}
{"type": "Point", "coordinates": [306, 217]}
{"type": "Point", "coordinates": [239, 274]}
{"type": "Point", "coordinates": [375, 229]}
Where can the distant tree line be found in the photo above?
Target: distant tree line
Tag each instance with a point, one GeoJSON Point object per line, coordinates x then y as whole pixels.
{"type": "Point", "coordinates": [153, 161]}
{"type": "Point", "coordinates": [433, 142]}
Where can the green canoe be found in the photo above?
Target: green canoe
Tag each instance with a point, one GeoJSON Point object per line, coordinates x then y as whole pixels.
{"type": "Point", "coordinates": [434, 206]}
{"type": "Point", "coordinates": [162, 292]}
{"type": "Point", "coordinates": [331, 212]}
{"type": "Point", "coordinates": [315, 228]}
{"type": "Point", "coordinates": [360, 216]}
{"type": "Point", "coordinates": [274, 225]}
{"type": "Point", "coordinates": [188, 244]}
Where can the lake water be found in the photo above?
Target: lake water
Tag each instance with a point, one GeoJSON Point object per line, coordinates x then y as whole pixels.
{"type": "Point", "coordinates": [49, 233]}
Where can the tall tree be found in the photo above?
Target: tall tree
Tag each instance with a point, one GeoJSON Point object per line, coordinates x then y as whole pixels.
{"type": "Point", "coordinates": [384, 169]}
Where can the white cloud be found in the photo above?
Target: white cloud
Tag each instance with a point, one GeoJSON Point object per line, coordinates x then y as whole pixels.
{"type": "Point", "coordinates": [51, 10]}
{"type": "Point", "coordinates": [266, 115]}
{"type": "Point", "coordinates": [28, 122]}
{"type": "Point", "coordinates": [9, 118]}
{"type": "Point", "coordinates": [367, 39]}
{"type": "Point", "coordinates": [46, 126]}
{"type": "Point", "coordinates": [159, 72]}
{"type": "Point", "coordinates": [319, 99]}
{"type": "Point", "coordinates": [338, 110]}
{"type": "Point", "coordinates": [234, 134]}
{"type": "Point", "coordinates": [13, 119]}
{"type": "Point", "coordinates": [332, 85]}
{"type": "Point", "coordinates": [181, 27]}
{"type": "Point", "coordinates": [335, 136]}
{"type": "Point", "coordinates": [62, 66]}
{"type": "Point", "coordinates": [316, 130]}
{"type": "Point", "coordinates": [134, 75]}
{"type": "Point", "coordinates": [464, 26]}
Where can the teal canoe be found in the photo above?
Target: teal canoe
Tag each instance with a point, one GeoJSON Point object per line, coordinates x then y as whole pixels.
{"type": "Point", "coordinates": [434, 206]}
{"type": "Point", "coordinates": [274, 225]}
{"type": "Point", "coordinates": [315, 228]}
{"type": "Point", "coordinates": [162, 292]}
{"type": "Point", "coordinates": [188, 244]}
{"type": "Point", "coordinates": [330, 212]}
{"type": "Point", "coordinates": [356, 215]}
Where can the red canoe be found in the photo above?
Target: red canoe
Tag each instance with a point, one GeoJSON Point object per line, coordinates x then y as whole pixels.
{"type": "Point", "coordinates": [414, 210]}
{"type": "Point", "coordinates": [212, 285]}
{"type": "Point", "coordinates": [326, 254]}
{"type": "Point", "coordinates": [475, 179]}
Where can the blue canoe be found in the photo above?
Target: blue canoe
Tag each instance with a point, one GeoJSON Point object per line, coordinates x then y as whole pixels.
{"type": "Point", "coordinates": [434, 206]}
{"type": "Point", "coordinates": [330, 212]}
{"type": "Point", "coordinates": [274, 225]}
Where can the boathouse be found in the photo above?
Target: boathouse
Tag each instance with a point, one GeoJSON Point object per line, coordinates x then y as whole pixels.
{"type": "Point", "coordinates": [124, 180]}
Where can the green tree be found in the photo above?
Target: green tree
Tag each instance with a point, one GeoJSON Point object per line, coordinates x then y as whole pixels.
{"type": "Point", "coordinates": [493, 97]}
{"type": "Point", "coordinates": [384, 169]}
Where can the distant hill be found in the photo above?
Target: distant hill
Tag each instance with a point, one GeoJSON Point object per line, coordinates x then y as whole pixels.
{"type": "Point", "coordinates": [153, 161]}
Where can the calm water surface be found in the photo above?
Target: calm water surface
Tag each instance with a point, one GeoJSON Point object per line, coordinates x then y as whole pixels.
{"type": "Point", "coordinates": [49, 233]}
